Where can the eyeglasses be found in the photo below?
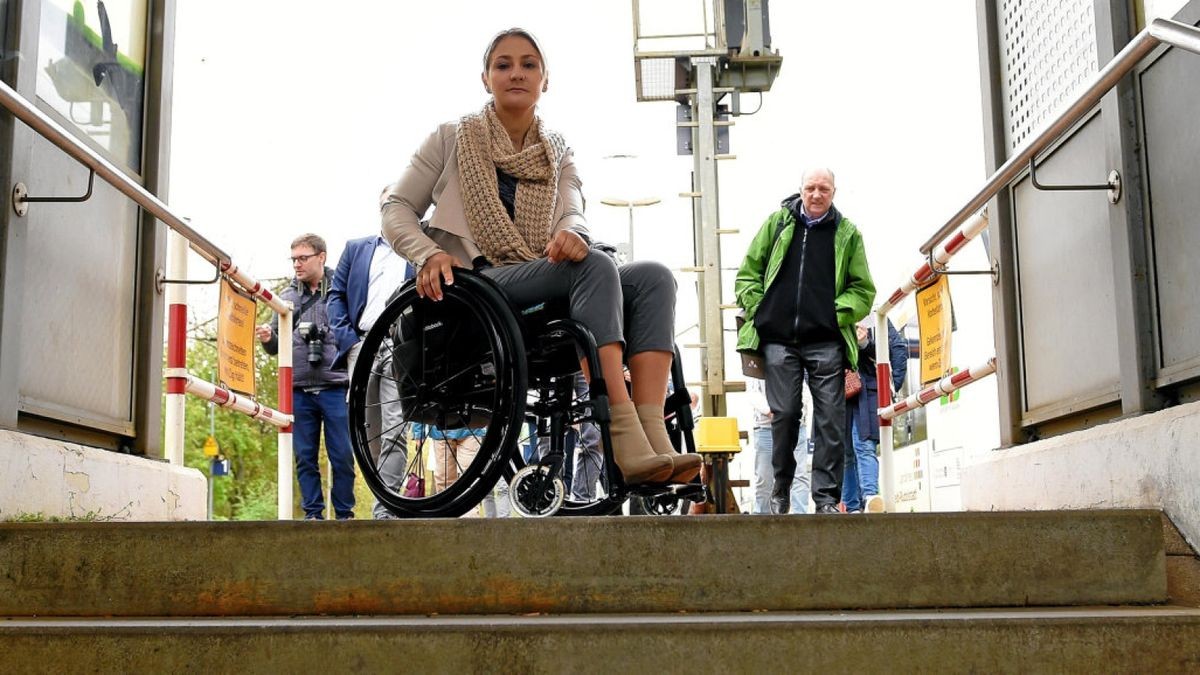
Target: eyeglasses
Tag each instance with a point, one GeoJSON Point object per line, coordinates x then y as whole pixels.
{"type": "Point", "coordinates": [301, 259]}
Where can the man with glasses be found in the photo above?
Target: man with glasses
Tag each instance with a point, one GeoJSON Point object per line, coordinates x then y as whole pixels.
{"type": "Point", "coordinates": [318, 388]}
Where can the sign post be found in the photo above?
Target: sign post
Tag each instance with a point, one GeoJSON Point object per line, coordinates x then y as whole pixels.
{"type": "Point", "coordinates": [934, 319]}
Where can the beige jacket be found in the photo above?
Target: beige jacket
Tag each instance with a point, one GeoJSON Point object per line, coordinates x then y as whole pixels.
{"type": "Point", "coordinates": [432, 178]}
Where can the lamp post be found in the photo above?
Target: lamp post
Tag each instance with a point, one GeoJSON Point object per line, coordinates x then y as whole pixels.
{"type": "Point", "coordinates": [630, 204]}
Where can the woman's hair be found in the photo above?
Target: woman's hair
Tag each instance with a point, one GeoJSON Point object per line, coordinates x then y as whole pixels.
{"type": "Point", "coordinates": [512, 32]}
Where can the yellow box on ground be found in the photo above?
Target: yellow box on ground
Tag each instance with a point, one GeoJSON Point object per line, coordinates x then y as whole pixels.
{"type": "Point", "coordinates": [717, 434]}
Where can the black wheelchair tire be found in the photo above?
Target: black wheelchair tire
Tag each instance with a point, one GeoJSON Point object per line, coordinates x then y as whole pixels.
{"type": "Point", "coordinates": [503, 337]}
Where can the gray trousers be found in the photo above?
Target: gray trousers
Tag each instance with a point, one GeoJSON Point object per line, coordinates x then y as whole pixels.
{"type": "Point", "coordinates": [633, 304]}
{"type": "Point", "coordinates": [385, 423]}
{"type": "Point", "coordinates": [786, 367]}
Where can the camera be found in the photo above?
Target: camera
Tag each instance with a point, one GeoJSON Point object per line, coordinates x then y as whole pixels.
{"type": "Point", "coordinates": [314, 339]}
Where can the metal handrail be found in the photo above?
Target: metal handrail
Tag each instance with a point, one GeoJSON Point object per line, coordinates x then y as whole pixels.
{"type": "Point", "coordinates": [52, 131]}
{"type": "Point", "coordinates": [1160, 31]}
{"type": "Point", "coordinates": [178, 381]}
{"type": "Point", "coordinates": [957, 232]}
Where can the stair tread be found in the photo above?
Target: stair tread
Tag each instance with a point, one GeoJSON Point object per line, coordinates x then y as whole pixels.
{"type": "Point", "coordinates": [998, 614]}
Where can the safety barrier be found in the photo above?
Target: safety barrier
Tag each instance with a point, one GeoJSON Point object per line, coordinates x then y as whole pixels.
{"type": "Point", "coordinates": [954, 235]}
{"type": "Point", "coordinates": [178, 381]}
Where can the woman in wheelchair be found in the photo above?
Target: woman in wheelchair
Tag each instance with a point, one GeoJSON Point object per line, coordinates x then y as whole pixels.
{"type": "Point", "coordinates": [508, 204]}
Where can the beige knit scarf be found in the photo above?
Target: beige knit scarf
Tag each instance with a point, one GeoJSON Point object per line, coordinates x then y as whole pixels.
{"type": "Point", "coordinates": [484, 146]}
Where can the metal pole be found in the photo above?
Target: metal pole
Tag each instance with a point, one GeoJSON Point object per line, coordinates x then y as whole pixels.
{"type": "Point", "coordinates": [883, 381]}
{"type": "Point", "coordinates": [630, 230]}
{"type": "Point", "coordinates": [176, 349]}
{"type": "Point", "coordinates": [211, 462]}
{"type": "Point", "coordinates": [712, 329]}
{"type": "Point", "coordinates": [212, 433]}
{"type": "Point", "coordinates": [56, 134]}
{"type": "Point", "coordinates": [284, 462]}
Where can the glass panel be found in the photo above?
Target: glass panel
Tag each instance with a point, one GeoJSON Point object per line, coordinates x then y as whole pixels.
{"type": "Point", "coordinates": [92, 60]}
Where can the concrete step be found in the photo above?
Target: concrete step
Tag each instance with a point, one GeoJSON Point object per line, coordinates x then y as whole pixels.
{"type": "Point", "coordinates": [1063, 640]}
{"type": "Point", "coordinates": [579, 566]}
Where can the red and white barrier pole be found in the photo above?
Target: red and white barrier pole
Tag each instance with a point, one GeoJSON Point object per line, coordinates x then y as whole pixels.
{"type": "Point", "coordinates": [255, 287]}
{"type": "Point", "coordinates": [941, 255]}
{"type": "Point", "coordinates": [925, 274]}
{"type": "Point", "coordinates": [942, 387]}
{"type": "Point", "coordinates": [284, 462]}
{"type": "Point", "coordinates": [284, 450]}
{"type": "Point", "coordinates": [228, 399]}
{"type": "Point", "coordinates": [177, 250]}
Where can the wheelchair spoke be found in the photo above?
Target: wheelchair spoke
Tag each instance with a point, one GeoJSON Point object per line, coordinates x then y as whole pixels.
{"type": "Point", "coordinates": [391, 347]}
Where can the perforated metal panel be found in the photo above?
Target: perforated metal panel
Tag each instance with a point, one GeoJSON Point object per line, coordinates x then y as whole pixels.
{"type": "Point", "coordinates": [1048, 49]}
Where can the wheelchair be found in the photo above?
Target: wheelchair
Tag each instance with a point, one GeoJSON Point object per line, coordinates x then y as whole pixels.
{"type": "Point", "coordinates": [474, 375]}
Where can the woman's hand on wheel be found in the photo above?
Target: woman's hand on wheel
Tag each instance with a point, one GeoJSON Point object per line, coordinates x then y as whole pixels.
{"type": "Point", "coordinates": [438, 268]}
{"type": "Point", "coordinates": [566, 245]}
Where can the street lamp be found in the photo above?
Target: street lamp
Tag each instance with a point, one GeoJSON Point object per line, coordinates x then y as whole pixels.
{"type": "Point", "coordinates": [630, 204]}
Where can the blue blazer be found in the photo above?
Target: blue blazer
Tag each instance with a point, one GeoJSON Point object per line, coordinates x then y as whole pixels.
{"type": "Point", "coordinates": [348, 293]}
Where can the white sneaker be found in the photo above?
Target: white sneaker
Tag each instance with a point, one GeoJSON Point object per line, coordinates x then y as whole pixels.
{"type": "Point", "coordinates": [873, 504]}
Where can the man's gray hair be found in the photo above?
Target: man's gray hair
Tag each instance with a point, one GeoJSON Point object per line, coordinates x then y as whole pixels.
{"type": "Point", "coordinates": [832, 178]}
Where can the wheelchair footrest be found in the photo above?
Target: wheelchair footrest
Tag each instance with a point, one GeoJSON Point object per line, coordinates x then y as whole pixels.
{"type": "Point", "coordinates": [692, 491]}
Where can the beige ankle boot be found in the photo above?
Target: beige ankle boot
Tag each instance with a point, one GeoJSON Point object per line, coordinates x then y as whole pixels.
{"type": "Point", "coordinates": [633, 453]}
{"type": "Point", "coordinates": [687, 465]}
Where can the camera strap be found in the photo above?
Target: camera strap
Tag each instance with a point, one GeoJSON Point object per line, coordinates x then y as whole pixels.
{"type": "Point", "coordinates": [304, 308]}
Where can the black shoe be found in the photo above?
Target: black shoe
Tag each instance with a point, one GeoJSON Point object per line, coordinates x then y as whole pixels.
{"type": "Point", "coordinates": [827, 508]}
{"type": "Point", "coordinates": [780, 503]}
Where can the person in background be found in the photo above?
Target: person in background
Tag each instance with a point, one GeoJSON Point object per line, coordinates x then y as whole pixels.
{"type": "Point", "coordinates": [860, 491]}
{"type": "Point", "coordinates": [318, 387]}
{"type": "Point", "coordinates": [763, 472]}
{"type": "Point", "coordinates": [367, 275]}
{"type": "Point", "coordinates": [803, 285]}
{"type": "Point", "coordinates": [452, 450]}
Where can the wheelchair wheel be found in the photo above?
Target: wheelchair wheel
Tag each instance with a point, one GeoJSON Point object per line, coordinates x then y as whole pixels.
{"type": "Point", "coordinates": [590, 492]}
{"type": "Point", "coordinates": [437, 397]}
{"type": "Point", "coordinates": [535, 492]}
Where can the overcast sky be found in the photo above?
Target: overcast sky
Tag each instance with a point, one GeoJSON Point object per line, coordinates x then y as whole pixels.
{"type": "Point", "coordinates": [292, 116]}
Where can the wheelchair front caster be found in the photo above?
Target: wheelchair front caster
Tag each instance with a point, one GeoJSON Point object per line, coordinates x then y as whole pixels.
{"type": "Point", "coordinates": [535, 492]}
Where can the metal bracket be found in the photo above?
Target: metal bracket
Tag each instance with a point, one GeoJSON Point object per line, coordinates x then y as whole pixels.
{"type": "Point", "coordinates": [1113, 186]}
{"type": "Point", "coordinates": [21, 199]}
{"type": "Point", "coordinates": [160, 280]}
{"type": "Point", "coordinates": [940, 271]}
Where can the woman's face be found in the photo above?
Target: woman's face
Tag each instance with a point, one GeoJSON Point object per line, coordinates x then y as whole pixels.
{"type": "Point", "coordinates": [515, 75]}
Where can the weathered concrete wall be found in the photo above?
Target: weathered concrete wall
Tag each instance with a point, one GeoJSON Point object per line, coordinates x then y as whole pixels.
{"type": "Point", "coordinates": [1149, 461]}
{"type": "Point", "coordinates": [54, 478]}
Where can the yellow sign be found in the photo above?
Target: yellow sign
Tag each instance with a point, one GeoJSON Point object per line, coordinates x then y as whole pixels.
{"type": "Point", "coordinates": [933, 316]}
{"type": "Point", "coordinates": [210, 447]}
{"type": "Point", "coordinates": [235, 340]}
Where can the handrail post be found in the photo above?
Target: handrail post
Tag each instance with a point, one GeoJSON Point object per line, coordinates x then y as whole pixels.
{"type": "Point", "coordinates": [177, 250]}
{"type": "Point", "coordinates": [284, 451]}
{"type": "Point", "coordinates": [883, 382]}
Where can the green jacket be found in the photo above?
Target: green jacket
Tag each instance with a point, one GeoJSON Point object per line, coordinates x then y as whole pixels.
{"type": "Point", "coordinates": [854, 289]}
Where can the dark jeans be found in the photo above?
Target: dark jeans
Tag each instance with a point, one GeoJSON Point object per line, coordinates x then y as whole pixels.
{"type": "Point", "coordinates": [786, 367]}
{"type": "Point", "coordinates": [328, 406]}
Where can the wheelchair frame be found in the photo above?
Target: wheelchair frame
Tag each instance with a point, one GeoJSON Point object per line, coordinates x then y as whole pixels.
{"type": "Point", "coordinates": [468, 378]}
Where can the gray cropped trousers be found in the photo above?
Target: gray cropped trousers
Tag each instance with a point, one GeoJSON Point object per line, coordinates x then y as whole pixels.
{"type": "Point", "coordinates": [632, 304]}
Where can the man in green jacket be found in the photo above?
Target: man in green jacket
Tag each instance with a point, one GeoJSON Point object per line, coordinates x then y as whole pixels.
{"type": "Point", "coordinates": [804, 284]}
